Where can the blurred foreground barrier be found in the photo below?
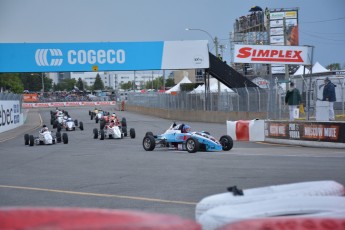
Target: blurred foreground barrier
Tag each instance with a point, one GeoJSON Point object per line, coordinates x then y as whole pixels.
{"type": "Point", "coordinates": [287, 223]}
{"type": "Point", "coordinates": [246, 130]}
{"type": "Point", "coordinates": [78, 218]}
{"type": "Point", "coordinates": [236, 196]}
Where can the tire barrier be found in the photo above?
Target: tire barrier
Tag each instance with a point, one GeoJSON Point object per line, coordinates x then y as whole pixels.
{"type": "Point", "coordinates": [78, 218]}
{"type": "Point", "coordinates": [246, 130]}
{"type": "Point", "coordinates": [280, 223]}
{"type": "Point", "coordinates": [303, 206]}
{"type": "Point", "coordinates": [311, 188]}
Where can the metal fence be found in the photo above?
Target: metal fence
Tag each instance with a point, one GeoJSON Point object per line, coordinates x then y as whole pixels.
{"type": "Point", "coordinates": [270, 101]}
{"type": "Point", "coordinates": [10, 97]}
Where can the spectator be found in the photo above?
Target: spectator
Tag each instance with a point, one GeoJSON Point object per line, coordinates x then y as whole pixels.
{"type": "Point", "coordinates": [329, 95]}
{"type": "Point", "coordinates": [293, 99]}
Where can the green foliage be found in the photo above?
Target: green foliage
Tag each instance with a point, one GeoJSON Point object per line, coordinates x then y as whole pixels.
{"type": "Point", "coordinates": [127, 86]}
{"type": "Point", "coordinates": [98, 85]}
{"type": "Point", "coordinates": [33, 82]}
{"type": "Point", "coordinates": [65, 85]}
{"type": "Point", "coordinates": [188, 86]}
{"type": "Point", "coordinates": [333, 66]}
{"type": "Point", "coordinates": [80, 84]}
{"type": "Point", "coordinates": [11, 82]}
{"type": "Point", "coordinates": [169, 82]}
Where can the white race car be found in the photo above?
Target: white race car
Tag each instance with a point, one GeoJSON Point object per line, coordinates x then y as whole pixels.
{"type": "Point", "coordinates": [45, 138]}
{"type": "Point", "coordinates": [112, 132]}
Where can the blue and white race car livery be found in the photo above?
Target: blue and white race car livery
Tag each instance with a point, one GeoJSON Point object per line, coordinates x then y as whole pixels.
{"type": "Point", "coordinates": [180, 137]}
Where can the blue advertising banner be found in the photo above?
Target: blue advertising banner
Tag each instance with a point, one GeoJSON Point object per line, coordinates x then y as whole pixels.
{"type": "Point", "coordinates": [103, 56]}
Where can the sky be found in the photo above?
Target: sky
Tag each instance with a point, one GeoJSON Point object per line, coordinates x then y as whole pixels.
{"type": "Point", "coordinates": [321, 22]}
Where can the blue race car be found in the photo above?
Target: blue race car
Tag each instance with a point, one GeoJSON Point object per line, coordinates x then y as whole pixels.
{"type": "Point", "coordinates": [180, 137]}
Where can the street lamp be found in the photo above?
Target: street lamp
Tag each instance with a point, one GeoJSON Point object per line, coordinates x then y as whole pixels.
{"type": "Point", "coordinates": [215, 42]}
{"type": "Point", "coordinates": [42, 77]}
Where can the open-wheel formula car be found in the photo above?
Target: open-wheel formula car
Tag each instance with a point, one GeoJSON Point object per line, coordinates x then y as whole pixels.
{"type": "Point", "coordinates": [177, 137]}
{"type": "Point", "coordinates": [70, 125]}
{"type": "Point", "coordinates": [45, 138]}
{"type": "Point", "coordinates": [113, 129]}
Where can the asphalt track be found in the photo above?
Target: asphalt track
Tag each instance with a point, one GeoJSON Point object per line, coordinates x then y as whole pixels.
{"type": "Point", "coordinates": [120, 174]}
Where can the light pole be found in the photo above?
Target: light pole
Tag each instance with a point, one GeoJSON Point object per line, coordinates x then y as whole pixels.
{"type": "Point", "coordinates": [42, 77]}
{"type": "Point", "coordinates": [215, 42]}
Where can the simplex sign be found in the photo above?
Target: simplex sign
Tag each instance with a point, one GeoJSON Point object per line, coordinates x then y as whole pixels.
{"type": "Point", "coordinates": [103, 56]}
{"type": "Point", "coordinates": [299, 55]}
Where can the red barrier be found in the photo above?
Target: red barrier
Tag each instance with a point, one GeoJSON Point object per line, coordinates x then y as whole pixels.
{"type": "Point", "coordinates": [281, 223]}
{"type": "Point", "coordinates": [242, 130]}
{"type": "Point", "coordinates": [77, 218]}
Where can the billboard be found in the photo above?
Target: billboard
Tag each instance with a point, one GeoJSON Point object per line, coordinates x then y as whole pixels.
{"type": "Point", "coordinates": [272, 54]}
{"type": "Point", "coordinates": [277, 27]}
{"type": "Point", "coordinates": [103, 56]}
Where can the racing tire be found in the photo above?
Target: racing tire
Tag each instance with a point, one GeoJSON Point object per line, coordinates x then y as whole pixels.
{"type": "Point", "coordinates": [58, 137]}
{"type": "Point", "coordinates": [96, 119]}
{"type": "Point", "coordinates": [31, 140]}
{"type": "Point", "coordinates": [124, 122]}
{"type": "Point", "coordinates": [65, 138]}
{"type": "Point", "coordinates": [91, 117]}
{"type": "Point", "coordinates": [55, 124]}
{"type": "Point", "coordinates": [95, 133]}
{"type": "Point", "coordinates": [132, 133]}
{"type": "Point", "coordinates": [81, 125]}
{"type": "Point", "coordinates": [124, 131]}
{"type": "Point", "coordinates": [76, 122]}
{"type": "Point", "coordinates": [102, 134]}
{"type": "Point", "coordinates": [149, 133]}
{"type": "Point", "coordinates": [226, 142]}
{"type": "Point", "coordinates": [149, 143]}
{"type": "Point", "coordinates": [58, 127]}
{"type": "Point", "coordinates": [89, 112]}
{"type": "Point", "coordinates": [192, 145]}
{"type": "Point", "coordinates": [51, 121]}
{"type": "Point", "coordinates": [26, 139]}
{"type": "Point", "coordinates": [102, 124]}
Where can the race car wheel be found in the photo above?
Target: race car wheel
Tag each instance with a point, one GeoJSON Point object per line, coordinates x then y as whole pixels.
{"type": "Point", "coordinates": [192, 145]}
{"type": "Point", "coordinates": [89, 112]}
{"type": "Point", "coordinates": [124, 122]}
{"type": "Point", "coordinates": [226, 142]}
{"type": "Point", "coordinates": [58, 137]}
{"type": "Point", "coordinates": [51, 121]}
{"type": "Point", "coordinates": [31, 140]}
{"type": "Point", "coordinates": [96, 119]}
{"type": "Point", "coordinates": [102, 134]}
{"type": "Point", "coordinates": [149, 143]}
{"type": "Point", "coordinates": [65, 138]}
{"type": "Point", "coordinates": [76, 122]}
{"type": "Point", "coordinates": [124, 130]}
{"type": "Point", "coordinates": [91, 117]}
{"type": "Point", "coordinates": [81, 125]}
{"type": "Point", "coordinates": [102, 124]}
{"type": "Point", "coordinates": [149, 133]}
{"type": "Point", "coordinates": [95, 133]}
{"type": "Point", "coordinates": [132, 133]}
{"type": "Point", "coordinates": [26, 139]}
{"type": "Point", "coordinates": [58, 127]}
{"type": "Point", "coordinates": [55, 124]}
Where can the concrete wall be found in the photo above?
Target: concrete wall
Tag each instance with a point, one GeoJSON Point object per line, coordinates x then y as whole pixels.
{"type": "Point", "coordinates": [199, 116]}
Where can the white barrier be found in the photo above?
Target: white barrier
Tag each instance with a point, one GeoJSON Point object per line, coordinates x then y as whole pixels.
{"type": "Point", "coordinates": [68, 104]}
{"type": "Point", "coordinates": [246, 130]}
{"type": "Point", "coordinates": [10, 115]}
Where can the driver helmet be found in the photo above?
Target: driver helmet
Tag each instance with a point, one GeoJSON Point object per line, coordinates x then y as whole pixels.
{"type": "Point", "coordinates": [186, 129]}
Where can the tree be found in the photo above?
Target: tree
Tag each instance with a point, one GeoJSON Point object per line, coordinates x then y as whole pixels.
{"type": "Point", "coordinates": [169, 82]}
{"type": "Point", "coordinates": [80, 84]}
{"type": "Point", "coordinates": [98, 85]}
{"type": "Point", "coordinates": [126, 86]}
{"type": "Point", "coordinates": [65, 85]}
{"type": "Point", "coordinates": [11, 82]}
{"type": "Point", "coordinates": [33, 81]}
{"type": "Point", "coordinates": [333, 66]}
